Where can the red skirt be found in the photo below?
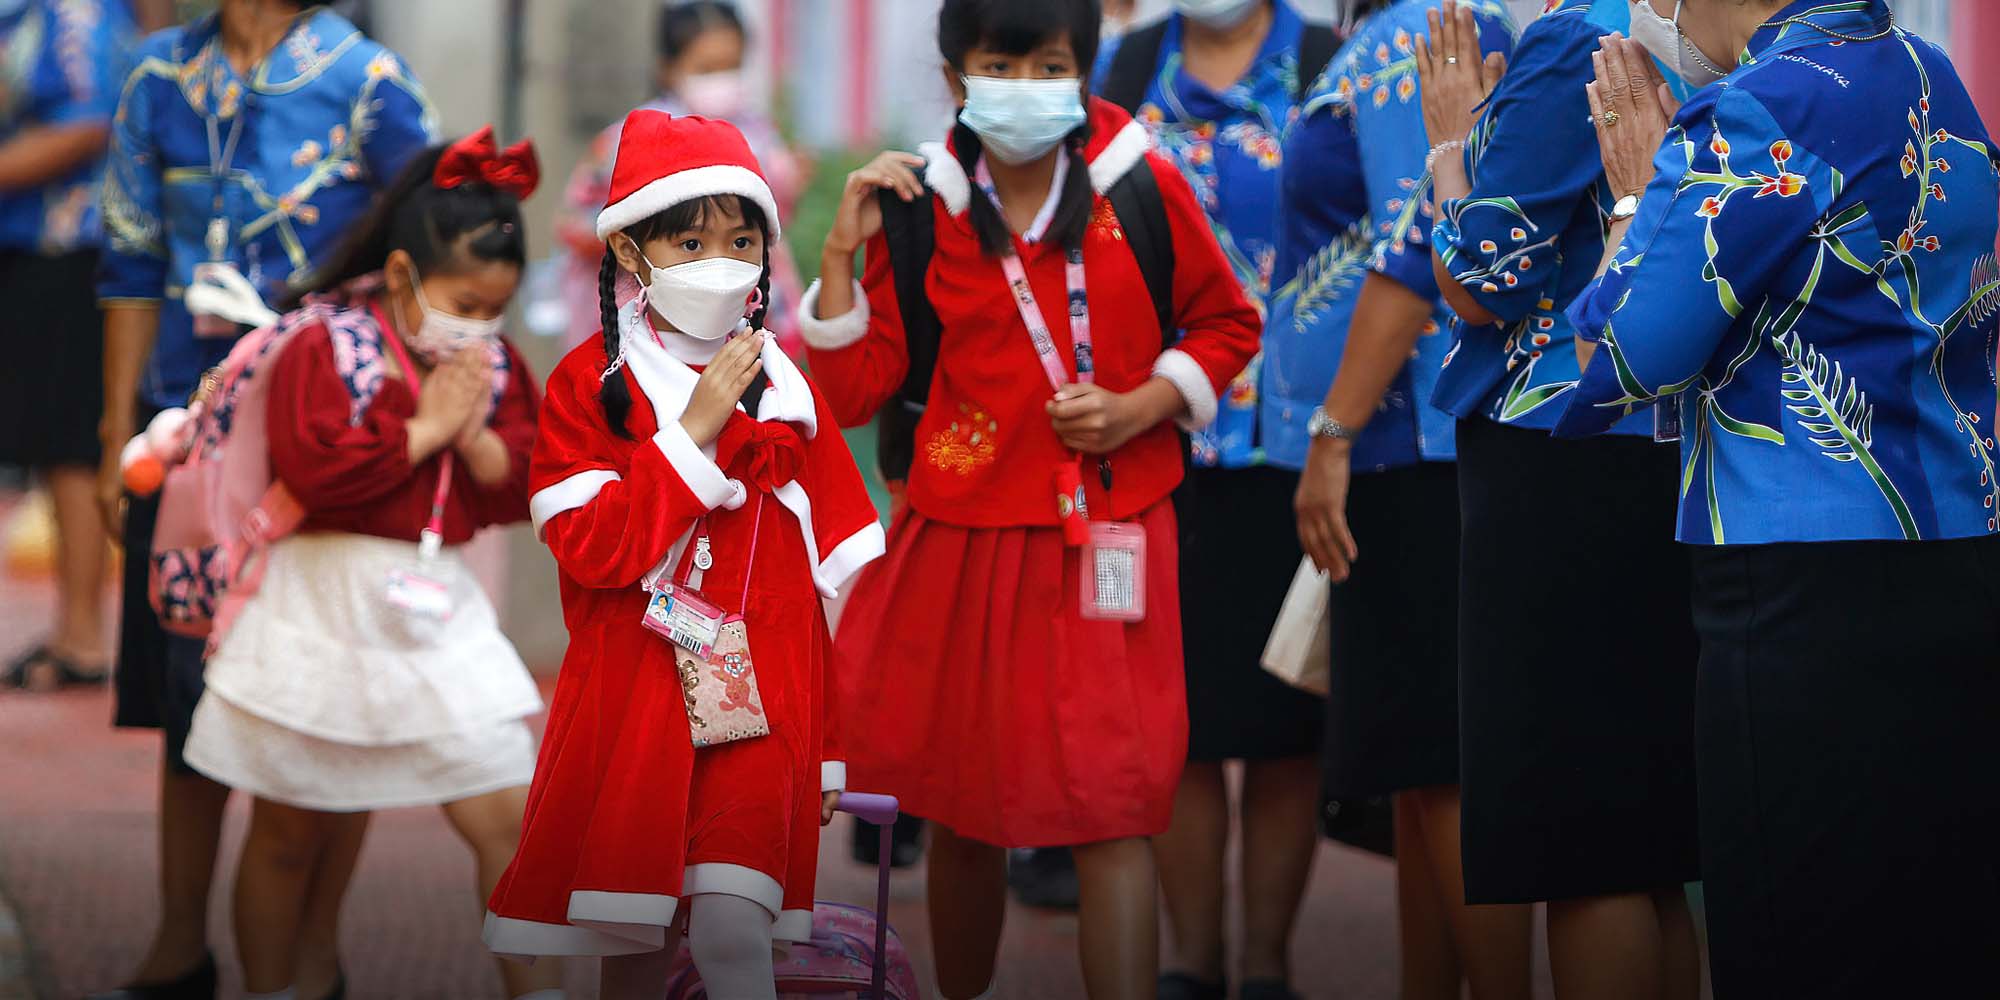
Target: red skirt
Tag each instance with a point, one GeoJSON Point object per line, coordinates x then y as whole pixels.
{"type": "Point", "coordinates": [973, 689]}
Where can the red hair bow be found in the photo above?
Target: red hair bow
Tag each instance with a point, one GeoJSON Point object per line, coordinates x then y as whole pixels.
{"type": "Point", "coordinates": [477, 159]}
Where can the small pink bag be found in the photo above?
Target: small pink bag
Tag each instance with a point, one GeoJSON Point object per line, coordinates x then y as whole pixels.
{"type": "Point", "coordinates": [711, 648]}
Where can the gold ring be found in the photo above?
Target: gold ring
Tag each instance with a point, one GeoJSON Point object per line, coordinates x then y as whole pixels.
{"type": "Point", "coordinates": [1609, 118]}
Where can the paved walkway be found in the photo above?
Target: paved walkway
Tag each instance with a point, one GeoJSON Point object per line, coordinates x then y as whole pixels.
{"type": "Point", "coordinates": [77, 866]}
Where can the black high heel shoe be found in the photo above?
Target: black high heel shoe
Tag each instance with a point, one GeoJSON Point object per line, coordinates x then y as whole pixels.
{"type": "Point", "coordinates": [198, 984]}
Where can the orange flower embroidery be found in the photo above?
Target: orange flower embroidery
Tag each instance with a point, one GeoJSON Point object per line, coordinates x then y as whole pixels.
{"type": "Point", "coordinates": [1710, 208]}
{"type": "Point", "coordinates": [966, 445]}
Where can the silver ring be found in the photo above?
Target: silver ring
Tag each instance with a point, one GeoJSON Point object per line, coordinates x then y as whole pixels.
{"type": "Point", "coordinates": [1451, 60]}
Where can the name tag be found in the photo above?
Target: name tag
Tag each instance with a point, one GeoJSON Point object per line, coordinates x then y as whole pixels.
{"type": "Point", "coordinates": [414, 593]}
{"type": "Point", "coordinates": [685, 618]}
{"type": "Point", "coordinates": [1113, 581]}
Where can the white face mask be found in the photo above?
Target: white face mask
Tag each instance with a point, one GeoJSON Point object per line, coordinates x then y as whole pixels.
{"type": "Point", "coordinates": [713, 95]}
{"type": "Point", "coordinates": [443, 334]}
{"type": "Point", "coordinates": [1663, 38]}
{"type": "Point", "coordinates": [1217, 13]}
{"type": "Point", "coordinates": [1021, 120]}
{"type": "Point", "coordinates": [705, 299]}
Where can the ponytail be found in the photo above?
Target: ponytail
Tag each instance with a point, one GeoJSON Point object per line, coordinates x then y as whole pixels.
{"type": "Point", "coordinates": [612, 392]}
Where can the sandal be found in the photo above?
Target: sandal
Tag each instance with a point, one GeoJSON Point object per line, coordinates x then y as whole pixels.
{"type": "Point", "coordinates": [20, 673]}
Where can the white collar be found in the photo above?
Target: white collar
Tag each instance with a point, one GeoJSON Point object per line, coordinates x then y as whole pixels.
{"type": "Point", "coordinates": [1040, 227]}
{"type": "Point", "coordinates": [667, 381]}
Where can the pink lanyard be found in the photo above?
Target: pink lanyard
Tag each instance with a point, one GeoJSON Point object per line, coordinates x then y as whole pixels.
{"type": "Point", "coordinates": [691, 562]}
{"type": "Point", "coordinates": [433, 537]}
{"type": "Point", "coordinates": [1038, 327]}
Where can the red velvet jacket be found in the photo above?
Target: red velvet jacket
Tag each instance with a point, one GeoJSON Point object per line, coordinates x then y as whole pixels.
{"type": "Point", "coordinates": [986, 452]}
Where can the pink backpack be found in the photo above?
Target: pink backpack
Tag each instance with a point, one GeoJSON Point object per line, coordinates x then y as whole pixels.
{"type": "Point", "coordinates": [221, 508]}
{"type": "Point", "coordinates": [853, 952]}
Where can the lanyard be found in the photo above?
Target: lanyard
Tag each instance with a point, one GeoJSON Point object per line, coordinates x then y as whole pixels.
{"type": "Point", "coordinates": [698, 559]}
{"type": "Point", "coordinates": [1038, 327]}
{"type": "Point", "coordinates": [432, 540]}
{"type": "Point", "coordinates": [221, 153]}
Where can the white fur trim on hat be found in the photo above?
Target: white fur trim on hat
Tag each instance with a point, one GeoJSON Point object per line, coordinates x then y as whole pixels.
{"type": "Point", "coordinates": [687, 185]}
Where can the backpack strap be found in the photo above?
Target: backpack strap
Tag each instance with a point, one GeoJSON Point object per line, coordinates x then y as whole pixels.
{"type": "Point", "coordinates": [909, 231]}
{"type": "Point", "coordinates": [1142, 213]}
{"type": "Point", "coordinates": [1133, 66]}
{"type": "Point", "coordinates": [1317, 46]}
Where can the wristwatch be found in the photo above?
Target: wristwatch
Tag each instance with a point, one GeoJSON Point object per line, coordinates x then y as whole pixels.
{"type": "Point", "coordinates": [1320, 425]}
{"type": "Point", "coordinates": [1626, 208]}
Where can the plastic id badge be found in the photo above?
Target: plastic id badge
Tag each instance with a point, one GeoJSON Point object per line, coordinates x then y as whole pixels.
{"type": "Point", "coordinates": [1667, 418]}
{"type": "Point", "coordinates": [685, 618]}
{"type": "Point", "coordinates": [1114, 573]}
{"type": "Point", "coordinates": [416, 593]}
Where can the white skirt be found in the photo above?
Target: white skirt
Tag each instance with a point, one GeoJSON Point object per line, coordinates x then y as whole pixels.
{"type": "Point", "coordinates": [324, 696]}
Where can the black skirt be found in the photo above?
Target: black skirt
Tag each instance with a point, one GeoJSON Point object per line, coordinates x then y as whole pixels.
{"type": "Point", "coordinates": [52, 385]}
{"type": "Point", "coordinates": [1392, 704]}
{"type": "Point", "coordinates": [1849, 735]}
{"type": "Point", "coordinates": [1576, 667]}
{"type": "Point", "coordinates": [1239, 551]}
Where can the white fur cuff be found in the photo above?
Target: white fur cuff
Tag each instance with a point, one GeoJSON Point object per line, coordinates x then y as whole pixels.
{"type": "Point", "coordinates": [833, 776]}
{"type": "Point", "coordinates": [703, 477]}
{"type": "Point", "coordinates": [1187, 375]}
{"type": "Point", "coordinates": [841, 331]}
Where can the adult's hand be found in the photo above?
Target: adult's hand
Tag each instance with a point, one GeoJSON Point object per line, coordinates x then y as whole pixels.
{"type": "Point", "coordinates": [1321, 507]}
{"type": "Point", "coordinates": [1454, 79]}
{"type": "Point", "coordinates": [1632, 109]}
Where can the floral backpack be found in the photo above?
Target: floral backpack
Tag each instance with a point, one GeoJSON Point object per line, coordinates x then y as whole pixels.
{"type": "Point", "coordinates": [221, 507]}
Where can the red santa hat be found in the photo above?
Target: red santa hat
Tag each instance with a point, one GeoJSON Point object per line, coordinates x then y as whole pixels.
{"type": "Point", "coordinates": [664, 160]}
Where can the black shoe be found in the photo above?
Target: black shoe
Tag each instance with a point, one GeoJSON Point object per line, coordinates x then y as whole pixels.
{"type": "Point", "coordinates": [1267, 989]}
{"type": "Point", "coordinates": [1044, 878]}
{"type": "Point", "coordinates": [906, 844]}
{"type": "Point", "coordinates": [198, 984]}
{"type": "Point", "coordinates": [1181, 986]}
{"type": "Point", "coordinates": [339, 991]}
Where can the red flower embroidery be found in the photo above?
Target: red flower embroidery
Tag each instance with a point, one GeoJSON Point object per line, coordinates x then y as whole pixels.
{"type": "Point", "coordinates": [1718, 145]}
{"type": "Point", "coordinates": [1785, 185]}
{"type": "Point", "coordinates": [1710, 208]}
{"type": "Point", "coordinates": [1780, 152]}
{"type": "Point", "coordinates": [1909, 158]}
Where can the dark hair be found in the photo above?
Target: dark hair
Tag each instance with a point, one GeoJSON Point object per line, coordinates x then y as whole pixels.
{"type": "Point", "coordinates": [682, 23]}
{"type": "Point", "coordinates": [1352, 11]}
{"type": "Point", "coordinates": [1016, 27]}
{"type": "Point", "coordinates": [442, 229]}
{"type": "Point", "coordinates": [612, 394]}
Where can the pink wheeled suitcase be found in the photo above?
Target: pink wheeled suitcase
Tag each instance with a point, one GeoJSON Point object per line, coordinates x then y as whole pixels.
{"type": "Point", "coordinates": [853, 954]}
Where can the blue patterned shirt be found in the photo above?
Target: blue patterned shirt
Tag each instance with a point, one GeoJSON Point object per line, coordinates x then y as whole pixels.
{"type": "Point", "coordinates": [1355, 198]}
{"type": "Point", "coordinates": [59, 63]}
{"type": "Point", "coordinates": [1812, 270]}
{"type": "Point", "coordinates": [1529, 237]}
{"type": "Point", "coordinates": [329, 118]}
{"type": "Point", "coordinates": [1229, 146]}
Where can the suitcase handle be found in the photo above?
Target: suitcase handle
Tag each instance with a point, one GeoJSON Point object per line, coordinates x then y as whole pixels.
{"type": "Point", "coordinates": [882, 811]}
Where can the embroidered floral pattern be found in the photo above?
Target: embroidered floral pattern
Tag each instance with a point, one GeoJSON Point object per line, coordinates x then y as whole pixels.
{"type": "Point", "coordinates": [966, 445]}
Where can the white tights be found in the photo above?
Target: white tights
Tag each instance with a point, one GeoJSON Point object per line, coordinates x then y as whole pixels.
{"type": "Point", "coordinates": [730, 938]}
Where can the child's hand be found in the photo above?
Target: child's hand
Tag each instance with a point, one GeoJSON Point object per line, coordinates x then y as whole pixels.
{"type": "Point", "coordinates": [828, 803]}
{"type": "Point", "coordinates": [479, 367]}
{"type": "Point", "coordinates": [859, 217]}
{"type": "Point", "coordinates": [721, 385]}
{"type": "Point", "coordinates": [446, 402]}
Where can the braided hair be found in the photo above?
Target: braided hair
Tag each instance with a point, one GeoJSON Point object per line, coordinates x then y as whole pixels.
{"type": "Point", "coordinates": [613, 393]}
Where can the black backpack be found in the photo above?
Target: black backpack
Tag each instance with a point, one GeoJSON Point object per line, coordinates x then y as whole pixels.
{"type": "Point", "coordinates": [908, 229]}
{"type": "Point", "coordinates": [1138, 59]}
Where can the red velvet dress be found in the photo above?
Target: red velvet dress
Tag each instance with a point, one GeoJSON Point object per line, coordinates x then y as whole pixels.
{"type": "Point", "coordinates": [626, 817]}
{"type": "Point", "coordinates": [994, 707]}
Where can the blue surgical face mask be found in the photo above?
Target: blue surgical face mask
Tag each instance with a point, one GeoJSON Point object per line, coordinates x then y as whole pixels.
{"type": "Point", "coordinates": [1021, 120]}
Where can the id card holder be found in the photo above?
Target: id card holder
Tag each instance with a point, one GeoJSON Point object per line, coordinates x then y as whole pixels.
{"type": "Point", "coordinates": [1667, 418]}
{"type": "Point", "coordinates": [415, 590]}
{"type": "Point", "coordinates": [1113, 580]}
{"type": "Point", "coordinates": [682, 616]}
{"type": "Point", "coordinates": [208, 326]}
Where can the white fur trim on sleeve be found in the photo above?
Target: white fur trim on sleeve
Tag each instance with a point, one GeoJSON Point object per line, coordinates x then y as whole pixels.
{"type": "Point", "coordinates": [844, 330]}
{"type": "Point", "coordinates": [847, 558]}
{"type": "Point", "coordinates": [570, 494]}
{"type": "Point", "coordinates": [1188, 376]}
{"type": "Point", "coordinates": [833, 776]}
{"type": "Point", "coordinates": [946, 176]}
{"type": "Point", "coordinates": [1126, 150]}
{"type": "Point", "coordinates": [703, 477]}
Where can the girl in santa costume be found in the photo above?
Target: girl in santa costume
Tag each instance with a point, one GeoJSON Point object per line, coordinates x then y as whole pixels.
{"type": "Point", "coordinates": [368, 671]}
{"type": "Point", "coordinates": [700, 503]}
{"type": "Point", "coordinates": [1006, 703]}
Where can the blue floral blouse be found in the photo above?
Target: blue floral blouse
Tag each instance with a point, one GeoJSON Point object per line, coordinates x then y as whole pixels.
{"type": "Point", "coordinates": [323, 123]}
{"type": "Point", "coordinates": [1229, 146]}
{"type": "Point", "coordinates": [1812, 271]}
{"type": "Point", "coordinates": [59, 63]}
{"type": "Point", "coordinates": [1355, 196]}
{"type": "Point", "coordinates": [1529, 237]}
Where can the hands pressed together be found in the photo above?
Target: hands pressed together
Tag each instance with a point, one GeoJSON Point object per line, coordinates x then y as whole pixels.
{"type": "Point", "coordinates": [1631, 108]}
